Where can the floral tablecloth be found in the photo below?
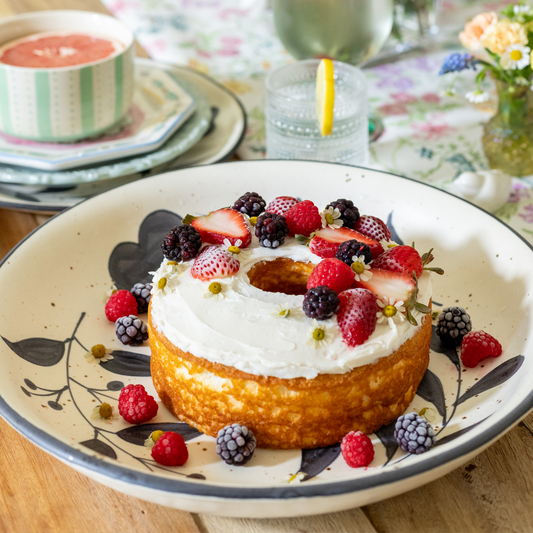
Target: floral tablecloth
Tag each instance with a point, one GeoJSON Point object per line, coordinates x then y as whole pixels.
{"type": "Point", "coordinates": [429, 135]}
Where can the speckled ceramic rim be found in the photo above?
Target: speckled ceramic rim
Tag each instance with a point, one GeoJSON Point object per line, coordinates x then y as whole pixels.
{"type": "Point", "coordinates": [84, 461]}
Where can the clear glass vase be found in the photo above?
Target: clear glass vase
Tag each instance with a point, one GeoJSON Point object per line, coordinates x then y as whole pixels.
{"type": "Point", "coordinates": [508, 135]}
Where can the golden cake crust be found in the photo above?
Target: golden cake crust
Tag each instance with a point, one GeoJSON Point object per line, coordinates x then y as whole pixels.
{"type": "Point", "coordinates": [289, 413]}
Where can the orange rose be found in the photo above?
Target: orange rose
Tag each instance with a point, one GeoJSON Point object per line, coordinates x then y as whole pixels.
{"type": "Point", "coordinates": [497, 37]}
{"type": "Point", "coordinates": [470, 37]}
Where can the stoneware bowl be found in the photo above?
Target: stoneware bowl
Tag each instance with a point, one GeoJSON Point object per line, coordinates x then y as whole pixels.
{"type": "Point", "coordinates": [67, 103]}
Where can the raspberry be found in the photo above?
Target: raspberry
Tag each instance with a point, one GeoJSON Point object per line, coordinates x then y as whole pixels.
{"type": "Point", "coordinates": [235, 444]}
{"type": "Point", "coordinates": [478, 345]}
{"type": "Point", "coordinates": [454, 323]}
{"type": "Point", "coordinates": [170, 449]}
{"type": "Point", "coordinates": [271, 230]}
{"type": "Point", "coordinates": [281, 205]}
{"type": "Point", "coordinates": [320, 303]}
{"type": "Point", "coordinates": [349, 213]}
{"type": "Point", "coordinates": [182, 243]}
{"type": "Point", "coordinates": [414, 434]}
{"type": "Point", "coordinates": [250, 204]}
{"type": "Point", "coordinates": [136, 405]}
{"type": "Point", "coordinates": [303, 218]}
{"type": "Point", "coordinates": [142, 293]}
{"type": "Point", "coordinates": [131, 330]}
{"type": "Point", "coordinates": [353, 248]}
{"type": "Point", "coordinates": [357, 449]}
{"type": "Point", "coordinates": [373, 227]}
{"type": "Point", "coordinates": [333, 273]}
{"type": "Point", "coordinates": [121, 303]}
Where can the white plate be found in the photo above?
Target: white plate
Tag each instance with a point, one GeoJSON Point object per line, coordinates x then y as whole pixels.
{"type": "Point", "coordinates": [219, 143]}
{"type": "Point", "coordinates": [160, 106]}
{"type": "Point", "coordinates": [52, 294]}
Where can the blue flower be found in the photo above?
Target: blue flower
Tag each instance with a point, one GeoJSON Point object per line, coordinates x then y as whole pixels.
{"type": "Point", "coordinates": [457, 62]}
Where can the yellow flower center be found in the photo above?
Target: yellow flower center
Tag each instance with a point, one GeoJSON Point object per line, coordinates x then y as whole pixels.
{"type": "Point", "coordinates": [98, 350]}
{"type": "Point", "coordinates": [329, 218]}
{"type": "Point", "coordinates": [318, 334]}
{"type": "Point", "coordinates": [156, 435]}
{"type": "Point", "coordinates": [358, 267]}
{"type": "Point", "coordinates": [234, 250]}
{"type": "Point", "coordinates": [162, 283]}
{"type": "Point", "coordinates": [105, 410]}
{"type": "Point", "coordinates": [516, 55]}
{"type": "Point", "coordinates": [391, 245]}
{"type": "Point", "coordinates": [253, 221]}
{"type": "Point", "coordinates": [215, 287]}
{"type": "Point", "coordinates": [171, 263]}
{"type": "Point", "coordinates": [285, 313]}
{"type": "Point", "coordinates": [389, 311]}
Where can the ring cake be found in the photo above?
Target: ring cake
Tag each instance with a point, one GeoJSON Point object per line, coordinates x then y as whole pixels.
{"type": "Point", "coordinates": [233, 339]}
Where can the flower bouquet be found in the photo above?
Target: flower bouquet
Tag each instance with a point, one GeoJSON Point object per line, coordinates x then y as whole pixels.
{"type": "Point", "coordinates": [500, 45]}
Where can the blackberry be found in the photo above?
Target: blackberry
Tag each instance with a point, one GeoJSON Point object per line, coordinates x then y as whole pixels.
{"type": "Point", "coordinates": [349, 213]}
{"type": "Point", "coordinates": [250, 204]}
{"type": "Point", "coordinates": [131, 330]}
{"type": "Point", "coordinates": [182, 243]}
{"type": "Point", "coordinates": [454, 323]}
{"type": "Point", "coordinates": [271, 230]}
{"type": "Point", "coordinates": [235, 444]}
{"type": "Point", "coordinates": [142, 293]}
{"type": "Point", "coordinates": [320, 302]}
{"type": "Point", "coordinates": [348, 249]}
{"type": "Point", "coordinates": [414, 434]}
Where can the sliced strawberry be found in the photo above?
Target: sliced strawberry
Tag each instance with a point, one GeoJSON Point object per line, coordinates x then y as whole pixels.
{"type": "Point", "coordinates": [400, 259]}
{"type": "Point", "coordinates": [333, 273]}
{"type": "Point", "coordinates": [281, 204]}
{"type": "Point", "coordinates": [222, 224]}
{"type": "Point", "coordinates": [373, 227]}
{"type": "Point", "coordinates": [357, 315]}
{"type": "Point", "coordinates": [326, 241]}
{"type": "Point", "coordinates": [214, 262]}
{"type": "Point", "coordinates": [390, 284]}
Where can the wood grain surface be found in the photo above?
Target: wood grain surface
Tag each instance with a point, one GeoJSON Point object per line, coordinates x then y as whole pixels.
{"type": "Point", "coordinates": [38, 494]}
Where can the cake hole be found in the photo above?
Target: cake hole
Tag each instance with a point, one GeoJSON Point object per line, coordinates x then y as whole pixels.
{"type": "Point", "coordinates": [281, 275]}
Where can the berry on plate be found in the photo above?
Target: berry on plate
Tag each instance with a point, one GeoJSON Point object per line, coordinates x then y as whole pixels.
{"type": "Point", "coordinates": [250, 204]}
{"type": "Point", "coordinates": [214, 262]}
{"type": "Point", "coordinates": [414, 434]}
{"type": "Point", "coordinates": [478, 345]}
{"type": "Point", "coordinates": [142, 293]}
{"type": "Point", "coordinates": [357, 449]}
{"type": "Point", "coordinates": [235, 444]}
{"type": "Point", "coordinates": [281, 205]}
{"type": "Point", "coordinates": [373, 227]}
{"type": "Point", "coordinates": [357, 315]}
{"type": "Point", "coordinates": [326, 241]}
{"type": "Point", "coordinates": [135, 405]}
{"type": "Point", "coordinates": [333, 273]}
{"type": "Point", "coordinates": [170, 449]}
{"type": "Point", "coordinates": [454, 323]}
{"type": "Point", "coordinates": [120, 303]}
{"type": "Point", "coordinates": [131, 330]}
{"type": "Point", "coordinates": [222, 224]}
{"type": "Point", "coordinates": [303, 218]}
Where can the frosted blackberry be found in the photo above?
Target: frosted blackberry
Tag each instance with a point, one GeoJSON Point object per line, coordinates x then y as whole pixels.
{"type": "Point", "coordinates": [349, 213]}
{"type": "Point", "coordinates": [181, 243]}
{"type": "Point", "coordinates": [271, 230]}
{"type": "Point", "coordinates": [320, 302]}
{"type": "Point", "coordinates": [348, 249]}
{"type": "Point", "coordinates": [235, 444]}
{"type": "Point", "coordinates": [454, 323]}
{"type": "Point", "coordinates": [131, 330]}
{"type": "Point", "coordinates": [142, 293]}
{"type": "Point", "coordinates": [414, 434]}
{"type": "Point", "coordinates": [250, 204]}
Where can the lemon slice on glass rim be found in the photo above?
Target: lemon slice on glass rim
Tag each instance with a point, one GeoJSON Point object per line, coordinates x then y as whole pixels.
{"type": "Point", "coordinates": [325, 96]}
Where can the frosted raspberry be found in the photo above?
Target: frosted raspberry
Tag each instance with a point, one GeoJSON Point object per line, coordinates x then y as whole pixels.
{"type": "Point", "coordinates": [357, 449]}
{"type": "Point", "coordinates": [170, 449]}
{"type": "Point", "coordinates": [121, 303]}
{"type": "Point", "coordinates": [136, 405]}
{"type": "Point", "coordinates": [281, 204]}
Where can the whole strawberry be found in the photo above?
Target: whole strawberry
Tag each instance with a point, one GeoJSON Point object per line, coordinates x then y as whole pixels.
{"type": "Point", "coordinates": [136, 405]}
{"type": "Point", "coordinates": [357, 449]}
{"type": "Point", "coordinates": [373, 227]}
{"type": "Point", "coordinates": [303, 218]}
{"type": "Point", "coordinates": [281, 205]}
{"type": "Point", "coordinates": [333, 273]}
{"type": "Point", "coordinates": [357, 315]}
{"type": "Point", "coordinates": [478, 345]}
{"type": "Point", "coordinates": [121, 303]}
{"type": "Point", "coordinates": [170, 449]}
{"type": "Point", "coordinates": [214, 262]}
{"type": "Point", "coordinates": [400, 259]}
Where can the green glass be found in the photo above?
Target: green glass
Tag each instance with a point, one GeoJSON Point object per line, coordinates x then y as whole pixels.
{"type": "Point", "coordinates": [508, 135]}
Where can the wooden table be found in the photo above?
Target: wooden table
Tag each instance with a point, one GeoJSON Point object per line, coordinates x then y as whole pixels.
{"type": "Point", "coordinates": [492, 493]}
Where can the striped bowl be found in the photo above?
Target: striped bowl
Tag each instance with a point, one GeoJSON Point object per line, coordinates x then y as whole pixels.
{"type": "Point", "coordinates": [67, 103]}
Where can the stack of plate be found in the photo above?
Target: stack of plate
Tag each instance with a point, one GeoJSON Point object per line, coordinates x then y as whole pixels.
{"type": "Point", "coordinates": [179, 118]}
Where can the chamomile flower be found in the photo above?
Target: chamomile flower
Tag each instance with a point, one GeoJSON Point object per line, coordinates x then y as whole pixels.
{"type": "Point", "coordinates": [477, 96]}
{"type": "Point", "coordinates": [98, 354]}
{"type": "Point", "coordinates": [112, 290]}
{"type": "Point", "coordinates": [153, 438]}
{"type": "Point", "coordinates": [318, 336]}
{"type": "Point", "coordinates": [386, 244]}
{"type": "Point", "coordinates": [331, 217]}
{"type": "Point", "coordinates": [283, 311]}
{"type": "Point", "coordinates": [103, 412]}
{"type": "Point", "coordinates": [166, 279]}
{"type": "Point", "coordinates": [390, 310]}
{"type": "Point", "coordinates": [295, 478]}
{"type": "Point", "coordinates": [515, 57]}
{"type": "Point", "coordinates": [215, 291]}
{"type": "Point", "coordinates": [235, 250]}
{"type": "Point", "coordinates": [360, 268]}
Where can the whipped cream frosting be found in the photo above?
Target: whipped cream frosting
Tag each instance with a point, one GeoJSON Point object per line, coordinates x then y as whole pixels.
{"type": "Point", "coordinates": [245, 330]}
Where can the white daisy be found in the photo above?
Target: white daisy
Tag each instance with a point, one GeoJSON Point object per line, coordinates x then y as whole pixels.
{"type": "Point", "coordinates": [477, 96]}
{"type": "Point", "coordinates": [360, 268]}
{"type": "Point", "coordinates": [515, 57]}
{"type": "Point", "coordinates": [153, 438]}
{"type": "Point", "coordinates": [386, 244]}
{"type": "Point", "coordinates": [103, 412]}
{"type": "Point", "coordinates": [428, 413]}
{"type": "Point", "coordinates": [283, 311]}
{"type": "Point", "coordinates": [215, 291]}
{"type": "Point", "coordinates": [165, 279]}
{"type": "Point", "coordinates": [295, 478]}
{"type": "Point", "coordinates": [391, 310]}
{"type": "Point", "coordinates": [318, 336]}
{"type": "Point", "coordinates": [235, 250]}
{"type": "Point", "coordinates": [331, 217]}
{"type": "Point", "coordinates": [98, 354]}
{"type": "Point", "coordinates": [112, 290]}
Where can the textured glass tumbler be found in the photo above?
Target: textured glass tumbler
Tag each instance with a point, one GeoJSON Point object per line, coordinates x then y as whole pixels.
{"type": "Point", "coordinates": [292, 129]}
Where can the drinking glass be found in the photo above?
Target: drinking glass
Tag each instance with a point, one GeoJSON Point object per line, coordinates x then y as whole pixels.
{"type": "Point", "coordinates": [292, 128]}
